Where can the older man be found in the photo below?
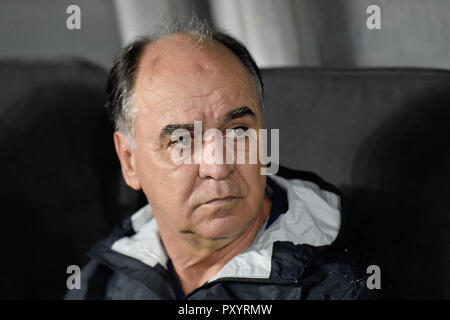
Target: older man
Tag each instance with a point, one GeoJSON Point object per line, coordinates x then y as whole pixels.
{"type": "Point", "coordinates": [211, 230]}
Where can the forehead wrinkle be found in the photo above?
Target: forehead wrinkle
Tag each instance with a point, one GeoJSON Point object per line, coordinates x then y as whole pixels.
{"type": "Point", "coordinates": [165, 82]}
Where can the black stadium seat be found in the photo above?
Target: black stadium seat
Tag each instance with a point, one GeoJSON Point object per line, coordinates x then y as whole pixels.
{"type": "Point", "coordinates": [60, 179]}
{"type": "Point", "coordinates": [383, 137]}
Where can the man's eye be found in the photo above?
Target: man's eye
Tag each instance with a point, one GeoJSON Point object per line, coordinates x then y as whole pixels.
{"type": "Point", "coordinates": [184, 140]}
{"type": "Point", "coordinates": [239, 131]}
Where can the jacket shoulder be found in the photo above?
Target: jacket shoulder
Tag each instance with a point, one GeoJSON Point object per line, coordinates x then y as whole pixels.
{"type": "Point", "coordinates": [337, 273]}
{"type": "Point", "coordinates": [94, 281]}
{"type": "Point", "coordinates": [99, 282]}
{"type": "Point", "coordinates": [309, 176]}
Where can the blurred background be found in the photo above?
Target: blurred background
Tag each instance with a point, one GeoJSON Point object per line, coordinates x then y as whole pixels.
{"type": "Point", "coordinates": [328, 33]}
{"type": "Point", "coordinates": [367, 110]}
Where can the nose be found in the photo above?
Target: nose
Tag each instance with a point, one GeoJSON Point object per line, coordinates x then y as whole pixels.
{"type": "Point", "coordinates": [209, 167]}
{"type": "Point", "coordinates": [215, 171]}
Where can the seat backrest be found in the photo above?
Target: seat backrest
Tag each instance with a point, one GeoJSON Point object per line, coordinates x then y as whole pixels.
{"type": "Point", "coordinates": [382, 136]}
{"type": "Point", "coordinates": [59, 172]}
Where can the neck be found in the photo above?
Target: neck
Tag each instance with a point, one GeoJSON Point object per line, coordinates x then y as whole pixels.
{"type": "Point", "coordinates": [198, 260]}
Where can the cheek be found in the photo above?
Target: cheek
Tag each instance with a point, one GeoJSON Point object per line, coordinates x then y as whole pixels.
{"type": "Point", "coordinates": [254, 181]}
{"type": "Point", "coordinates": [166, 186]}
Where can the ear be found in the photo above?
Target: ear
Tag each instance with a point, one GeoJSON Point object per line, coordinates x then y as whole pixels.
{"type": "Point", "coordinates": [127, 160]}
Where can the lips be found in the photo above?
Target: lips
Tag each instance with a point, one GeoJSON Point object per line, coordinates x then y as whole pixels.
{"type": "Point", "coordinates": [221, 200]}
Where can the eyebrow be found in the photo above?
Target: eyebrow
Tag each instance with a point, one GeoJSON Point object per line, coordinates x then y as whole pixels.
{"type": "Point", "coordinates": [240, 112]}
{"type": "Point", "coordinates": [170, 128]}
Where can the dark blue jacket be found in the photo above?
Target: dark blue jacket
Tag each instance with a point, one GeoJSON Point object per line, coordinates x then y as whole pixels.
{"type": "Point", "coordinates": [292, 256]}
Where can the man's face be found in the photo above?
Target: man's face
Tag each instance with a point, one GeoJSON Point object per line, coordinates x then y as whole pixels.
{"type": "Point", "coordinates": [177, 85]}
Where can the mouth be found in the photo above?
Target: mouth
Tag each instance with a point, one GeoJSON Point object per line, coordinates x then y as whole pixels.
{"type": "Point", "coordinates": [221, 201]}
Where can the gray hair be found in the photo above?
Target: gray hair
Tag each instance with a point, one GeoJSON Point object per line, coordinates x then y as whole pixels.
{"type": "Point", "coordinates": [122, 77]}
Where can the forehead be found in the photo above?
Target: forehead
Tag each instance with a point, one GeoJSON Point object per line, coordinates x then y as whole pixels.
{"type": "Point", "coordinates": [174, 67]}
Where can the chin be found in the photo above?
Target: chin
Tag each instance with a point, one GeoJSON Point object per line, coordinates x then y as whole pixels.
{"type": "Point", "coordinates": [223, 228]}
